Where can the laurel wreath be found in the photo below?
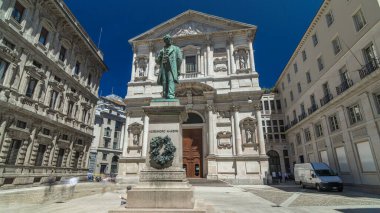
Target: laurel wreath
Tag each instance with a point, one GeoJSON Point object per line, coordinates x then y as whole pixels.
{"type": "Point", "coordinates": [156, 145]}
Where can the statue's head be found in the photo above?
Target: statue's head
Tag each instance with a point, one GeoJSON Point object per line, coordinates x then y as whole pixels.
{"type": "Point", "coordinates": [168, 40]}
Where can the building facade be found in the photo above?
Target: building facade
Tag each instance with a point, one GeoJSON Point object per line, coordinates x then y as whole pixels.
{"type": "Point", "coordinates": [330, 90]}
{"type": "Point", "coordinates": [222, 138]}
{"type": "Point", "coordinates": [106, 148]}
{"type": "Point", "coordinates": [49, 79]}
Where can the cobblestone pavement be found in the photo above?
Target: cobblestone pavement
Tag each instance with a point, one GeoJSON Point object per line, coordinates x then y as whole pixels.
{"type": "Point", "coordinates": [295, 196]}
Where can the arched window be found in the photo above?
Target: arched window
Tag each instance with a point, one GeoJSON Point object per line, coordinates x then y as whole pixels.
{"type": "Point", "coordinates": [274, 162]}
{"type": "Point", "coordinates": [193, 118]}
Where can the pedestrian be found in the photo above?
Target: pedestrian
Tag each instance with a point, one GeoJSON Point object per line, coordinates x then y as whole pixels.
{"type": "Point", "coordinates": [280, 176]}
{"type": "Point", "coordinates": [286, 176]}
{"type": "Point", "coordinates": [72, 183]}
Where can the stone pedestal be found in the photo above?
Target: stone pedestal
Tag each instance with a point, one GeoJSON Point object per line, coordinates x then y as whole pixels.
{"type": "Point", "coordinates": [163, 186]}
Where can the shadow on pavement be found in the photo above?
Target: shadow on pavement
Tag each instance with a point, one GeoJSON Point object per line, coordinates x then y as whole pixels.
{"type": "Point", "coordinates": [362, 210]}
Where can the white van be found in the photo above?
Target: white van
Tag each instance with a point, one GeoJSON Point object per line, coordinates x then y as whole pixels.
{"type": "Point", "coordinates": [318, 175]}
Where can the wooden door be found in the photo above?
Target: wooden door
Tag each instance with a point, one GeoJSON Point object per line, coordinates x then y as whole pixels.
{"type": "Point", "coordinates": [192, 152]}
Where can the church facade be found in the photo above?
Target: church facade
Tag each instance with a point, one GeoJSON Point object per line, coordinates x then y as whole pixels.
{"type": "Point", "coordinates": [223, 136]}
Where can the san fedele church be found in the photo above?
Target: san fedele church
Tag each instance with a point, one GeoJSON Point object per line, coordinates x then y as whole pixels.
{"type": "Point", "coordinates": [223, 136]}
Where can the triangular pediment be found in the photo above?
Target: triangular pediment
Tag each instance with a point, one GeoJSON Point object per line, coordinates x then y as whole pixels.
{"type": "Point", "coordinates": [192, 23]}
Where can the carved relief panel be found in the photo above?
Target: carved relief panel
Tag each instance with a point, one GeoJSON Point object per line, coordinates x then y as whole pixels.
{"type": "Point", "coordinates": [224, 139]}
{"type": "Point", "coordinates": [220, 60]}
{"type": "Point", "coordinates": [141, 67]}
{"type": "Point", "coordinates": [248, 131]}
{"type": "Point", "coordinates": [134, 131]}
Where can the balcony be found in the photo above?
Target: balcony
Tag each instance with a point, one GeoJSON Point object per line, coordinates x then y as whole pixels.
{"type": "Point", "coordinates": [312, 109]}
{"type": "Point", "coordinates": [294, 122]}
{"type": "Point", "coordinates": [302, 116]}
{"type": "Point", "coordinates": [370, 67]}
{"type": "Point", "coordinates": [326, 99]}
{"type": "Point", "coordinates": [344, 86]}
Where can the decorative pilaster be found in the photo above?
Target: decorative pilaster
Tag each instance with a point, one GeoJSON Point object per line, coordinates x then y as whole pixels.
{"type": "Point", "coordinates": [5, 149]}
{"type": "Point", "coordinates": [33, 154]}
{"type": "Point", "coordinates": [231, 41]}
{"type": "Point", "coordinates": [210, 109]}
{"type": "Point", "coordinates": [30, 148]}
{"type": "Point", "coordinates": [21, 154]}
{"type": "Point", "coordinates": [252, 60]}
{"type": "Point", "coordinates": [238, 143]}
{"type": "Point", "coordinates": [126, 142]}
{"type": "Point", "coordinates": [151, 62]}
{"type": "Point", "coordinates": [65, 158]}
{"type": "Point", "coordinates": [2, 131]}
{"type": "Point", "coordinates": [133, 72]}
{"type": "Point", "coordinates": [210, 64]}
{"type": "Point", "coordinates": [45, 160]}
{"type": "Point", "coordinates": [260, 130]}
{"type": "Point", "coordinates": [145, 136]}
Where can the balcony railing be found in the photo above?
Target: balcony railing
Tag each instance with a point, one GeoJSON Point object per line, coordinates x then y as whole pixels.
{"type": "Point", "coordinates": [294, 122]}
{"type": "Point", "coordinates": [326, 99]}
{"type": "Point", "coordinates": [370, 67]}
{"type": "Point", "coordinates": [312, 109]}
{"type": "Point", "coordinates": [189, 75]}
{"type": "Point", "coordinates": [344, 86]}
{"type": "Point", "coordinates": [302, 116]}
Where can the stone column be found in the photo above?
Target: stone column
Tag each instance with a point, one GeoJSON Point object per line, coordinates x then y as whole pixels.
{"type": "Point", "coordinates": [232, 60]}
{"type": "Point", "coordinates": [252, 60]}
{"type": "Point", "coordinates": [126, 140]}
{"type": "Point", "coordinates": [133, 73]}
{"type": "Point", "coordinates": [260, 131]}
{"type": "Point", "coordinates": [211, 134]}
{"type": "Point", "coordinates": [145, 136]}
{"type": "Point", "coordinates": [228, 59]}
{"type": "Point", "coordinates": [199, 61]}
{"type": "Point", "coordinates": [151, 62]}
{"type": "Point", "coordinates": [210, 66]}
{"type": "Point", "coordinates": [238, 144]}
{"type": "Point", "coordinates": [202, 63]}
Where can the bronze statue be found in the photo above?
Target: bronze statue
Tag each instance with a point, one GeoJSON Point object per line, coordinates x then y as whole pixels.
{"type": "Point", "coordinates": [169, 59]}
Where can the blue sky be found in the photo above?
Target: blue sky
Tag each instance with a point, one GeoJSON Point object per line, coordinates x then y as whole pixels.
{"type": "Point", "coordinates": [281, 24]}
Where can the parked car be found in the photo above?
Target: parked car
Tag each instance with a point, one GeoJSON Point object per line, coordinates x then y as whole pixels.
{"type": "Point", "coordinates": [318, 175]}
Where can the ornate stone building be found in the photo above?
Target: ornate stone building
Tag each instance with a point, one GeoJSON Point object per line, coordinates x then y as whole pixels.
{"type": "Point", "coordinates": [330, 90]}
{"type": "Point", "coordinates": [223, 136]}
{"type": "Point", "coordinates": [49, 79]}
{"type": "Point", "coordinates": [106, 148]}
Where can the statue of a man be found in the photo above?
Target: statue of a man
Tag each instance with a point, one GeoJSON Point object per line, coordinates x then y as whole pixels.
{"type": "Point", "coordinates": [169, 59]}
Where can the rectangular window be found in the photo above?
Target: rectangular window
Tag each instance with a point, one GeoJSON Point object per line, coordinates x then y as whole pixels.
{"type": "Point", "coordinates": [65, 137]}
{"type": "Point", "coordinates": [70, 109]}
{"type": "Point", "coordinates": [342, 159]}
{"type": "Point", "coordinates": [61, 153]}
{"type": "Point", "coordinates": [304, 57]}
{"type": "Point", "coordinates": [190, 64]}
{"type": "Point", "coordinates": [40, 154]}
{"type": "Point", "coordinates": [37, 64]}
{"type": "Point", "coordinates": [315, 39]}
{"type": "Point", "coordinates": [291, 96]}
{"type": "Point", "coordinates": [45, 131]}
{"type": "Point", "coordinates": [344, 77]}
{"type": "Point", "coordinates": [43, 36]}
{"type": "Point", "coordinates": [77, 68]}
{"type": "Point", "coordinates": [31, 86]}
{"type": "Point", "coordinates": [21, 124]}
{"type": "Point", "coordinates": [370, 57]}
{"type": "Point", "coordinates": [298, 138]}
{"type": "Point", "coordinates": [84, 115]}
{"type": "Point", "coordinates": [62, 54]}
{"type": "Point", "coordinates": [359, 20]}
{"type": "Point", "coordinates": [295, 67]}
{"type": "Point", "coordinates": [299, 87]}
{"type": "Point", "coordinates": [18, 12]}
{"type": "Point", "coordinates": [266, 105]}
{"type": "Point", "coordinates": [320, 63]}
{"type": "Point", "coordinates": [334, 124]}
{"type": "Point", "coordinates": [324, 157]}
{"type": "Point", "coordinates": [104, 157]}
{"type": "Point", "coordinates": [278, 103]}
{"type": "Point", "coordinates": [354, 114]}
{"type": "Point", "coordinates": [89, 79]}
{"type": "Point", "coordinates": [318, 130]}
{"type": "Point", "coordinates": [282, 85]}
{"type": "Point", "coordinates": [8, 44]}
{"type": "Point", "coordinates": [336, 45]}
{"type": "Point", "coordinates": [288, 76]}
{"type": "Point", "coordinates": [377, 100]}
{"type": "Point", "coordinates": [312, 100]}
{"type": "Point", "coordinates": [308, 77]}
{"type": "Point", "coordinates": [80, 142]}
{"type": "Point", "coordinates": [285, 103]}
{"type": "Point", "coordinates": [326, 89]}
{"type": "Point", "coordinates": [329, 18]}
{"type": "Point", "coordinates": [3, 69]}
{"type": "Point", "coordinates": [365, 156]}
{"type": "Point", "coordinates": [272, 107]}
{"type": "Point", "coordinates": [13, 152]}
{"type": "Point", "coordinates": [53, 99]}
{"type": "Point", "coordinates": [307, 134]}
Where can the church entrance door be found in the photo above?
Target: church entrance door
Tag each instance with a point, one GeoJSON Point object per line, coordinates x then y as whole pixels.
{"type": "Point", "coordinates": [192, 152]}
